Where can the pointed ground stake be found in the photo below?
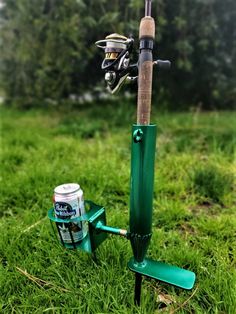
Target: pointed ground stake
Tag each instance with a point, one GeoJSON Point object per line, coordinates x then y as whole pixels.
{"type": "Point", "coordinates": [137, 289]}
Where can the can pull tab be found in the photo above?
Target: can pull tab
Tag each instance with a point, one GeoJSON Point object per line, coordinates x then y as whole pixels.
{"type": "Point", "coordinates": [138, 135]}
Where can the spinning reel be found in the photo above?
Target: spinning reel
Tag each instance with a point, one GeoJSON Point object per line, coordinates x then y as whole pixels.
{"type": "Point", "coordinates": [116, 63]}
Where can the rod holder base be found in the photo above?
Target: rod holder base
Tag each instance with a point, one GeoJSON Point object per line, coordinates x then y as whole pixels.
{"type": "Point", "coordinates": [172, 275]}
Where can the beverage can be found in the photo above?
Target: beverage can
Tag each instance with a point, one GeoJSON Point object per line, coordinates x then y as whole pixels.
{"type": "Point", "coordinates": [69, 203]}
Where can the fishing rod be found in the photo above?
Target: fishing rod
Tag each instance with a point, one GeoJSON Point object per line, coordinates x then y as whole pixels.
{"type": "Point", "coordinates": [87, 229]}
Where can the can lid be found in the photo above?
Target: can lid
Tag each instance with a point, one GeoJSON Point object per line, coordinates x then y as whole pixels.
{"type": "Point", "coordinates": [67, 188]}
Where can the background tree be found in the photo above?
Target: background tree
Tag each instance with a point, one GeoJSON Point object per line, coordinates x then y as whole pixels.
{"type": "Point", "coordinates": [48, 52]}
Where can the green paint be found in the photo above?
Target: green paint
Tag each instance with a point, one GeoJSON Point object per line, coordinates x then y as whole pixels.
{"type": "Point", "coordinates": [141, 188]}
{"type": "Point", "coordinates": [167, 273]}
{"type": "Point", "coordinates": [141, 198]}
{"type": "Point", "coordinates": [96, 214]}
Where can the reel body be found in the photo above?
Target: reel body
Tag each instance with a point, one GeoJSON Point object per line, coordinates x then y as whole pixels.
{"type": "Point", "coordinates": [116, 63]}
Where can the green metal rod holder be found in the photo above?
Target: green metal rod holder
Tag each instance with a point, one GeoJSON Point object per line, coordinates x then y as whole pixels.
{"type": "Point", "coordinates": [141, 198]}
{"type": "Point", "coordinates": [143, 149]}
{"type": "Point", "coordinates": [141, 188]}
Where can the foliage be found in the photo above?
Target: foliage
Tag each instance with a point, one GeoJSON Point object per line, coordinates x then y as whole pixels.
{"type": "Point", "coordinates": [42, 149]}
{"type": "Point", "coordinates": [210, 183]}
{"type": "Point", "coordinates": [48, 51]}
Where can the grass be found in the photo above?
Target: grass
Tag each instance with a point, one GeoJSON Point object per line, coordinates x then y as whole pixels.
{"type": "Point", "coordinates": [194, 219]}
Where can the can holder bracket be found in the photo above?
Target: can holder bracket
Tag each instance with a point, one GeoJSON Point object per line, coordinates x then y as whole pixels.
{"type": "Point", "coordinates": [95, 216]}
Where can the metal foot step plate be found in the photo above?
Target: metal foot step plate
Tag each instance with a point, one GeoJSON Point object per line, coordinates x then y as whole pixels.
{"type": "Point", "coordinates": [167, 273]}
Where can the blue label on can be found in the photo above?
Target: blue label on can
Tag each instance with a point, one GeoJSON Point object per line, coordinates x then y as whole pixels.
{"type": "Point", "coordinates": [64, 210]}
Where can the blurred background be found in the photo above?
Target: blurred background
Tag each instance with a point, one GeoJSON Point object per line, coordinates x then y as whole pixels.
{"type": "Point", "coordinates": [48, 56]}
{"type": "Point", "coordinates": [58, 124]}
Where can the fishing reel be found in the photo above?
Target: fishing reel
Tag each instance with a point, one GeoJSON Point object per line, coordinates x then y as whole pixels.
{"type": "Point", "coordinates": [116, 63]}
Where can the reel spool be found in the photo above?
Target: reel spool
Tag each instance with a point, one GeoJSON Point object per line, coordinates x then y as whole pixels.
{"type": "Point", "coordinates": [116, 63]}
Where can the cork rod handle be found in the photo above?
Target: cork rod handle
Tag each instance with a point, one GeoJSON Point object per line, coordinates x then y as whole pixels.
{"type": "Point", "coordinates": [146, 36]}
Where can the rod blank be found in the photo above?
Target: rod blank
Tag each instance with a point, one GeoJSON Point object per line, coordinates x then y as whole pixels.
{"type": "Point", "coordinates": [148, 7]}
